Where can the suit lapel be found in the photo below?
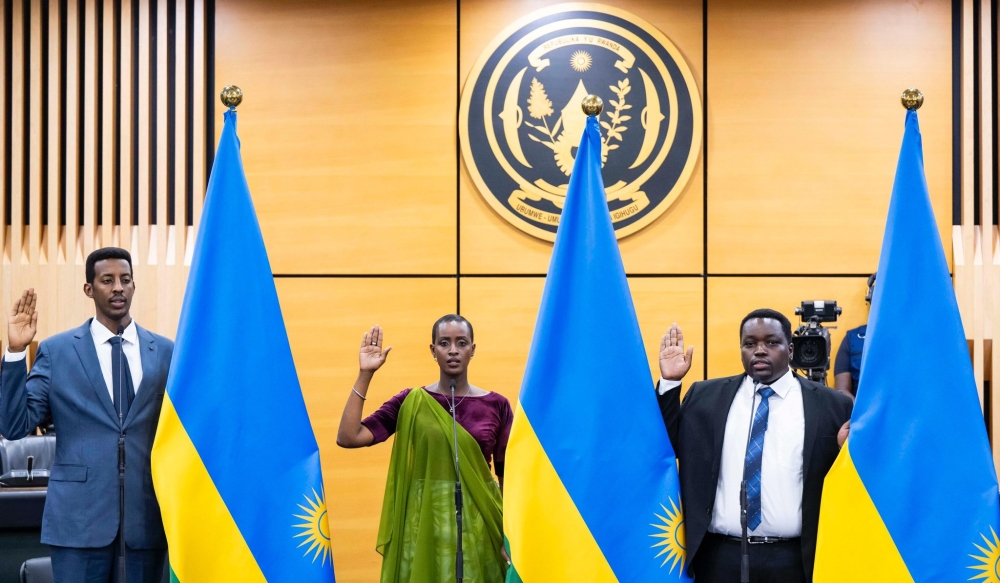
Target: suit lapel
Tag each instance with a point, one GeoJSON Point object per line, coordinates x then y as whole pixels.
{"type": "Point", "coordinates": [726, 396]}
{"type": "Point", "coordinates": [149, 357]}
{"type": "Point", "coordinates": [84, 346]}
{"type": "Point", "coordinates": [810, 411]}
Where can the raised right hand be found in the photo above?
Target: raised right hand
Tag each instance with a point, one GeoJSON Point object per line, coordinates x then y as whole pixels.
{"type": "Point", "coordinates": [674, 361]}
{"type": "Point", "coordinates": [23, 323]}
{"type": "Point", "coordinates": [372, 356]}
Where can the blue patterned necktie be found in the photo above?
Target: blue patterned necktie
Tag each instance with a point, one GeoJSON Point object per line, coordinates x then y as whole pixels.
{"type": "Point", "coordinates": [120, 373]}
{"type": "Point", "coordinates": [755, 455]}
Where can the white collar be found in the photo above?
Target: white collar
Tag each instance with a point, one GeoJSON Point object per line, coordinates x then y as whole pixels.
{"type": "Point", "coordinates": [101, 334]}
{"type": "Point", "coordinates": [782, 386]}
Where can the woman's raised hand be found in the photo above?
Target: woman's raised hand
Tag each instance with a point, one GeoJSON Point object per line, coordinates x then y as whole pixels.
{"type": "Point", "coordinates": [372, 357]}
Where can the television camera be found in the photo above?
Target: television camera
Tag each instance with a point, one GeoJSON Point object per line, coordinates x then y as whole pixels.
{"type": "Point", "coordinates": [811, 340]}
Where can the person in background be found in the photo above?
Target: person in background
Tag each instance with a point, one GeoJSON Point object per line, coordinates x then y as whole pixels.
{"type": "Point", "coordinates": [417, 535]}
{"type": "Point", "coordinates": [847, 365]}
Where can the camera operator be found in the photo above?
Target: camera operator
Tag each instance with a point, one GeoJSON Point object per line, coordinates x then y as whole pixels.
{"type": "Point", "coordinates": [847, 367]}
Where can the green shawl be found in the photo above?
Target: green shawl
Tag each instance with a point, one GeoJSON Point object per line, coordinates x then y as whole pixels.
{"type": "Point", "coordinates": [417, 533]}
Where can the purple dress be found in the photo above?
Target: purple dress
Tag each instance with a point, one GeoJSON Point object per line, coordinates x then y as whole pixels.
{"type": "Point", "coordinates": [487, 418]}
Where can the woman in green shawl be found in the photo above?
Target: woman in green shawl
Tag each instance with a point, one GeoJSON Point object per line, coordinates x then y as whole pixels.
{"type": "Point", "coordinates": [417, 535]}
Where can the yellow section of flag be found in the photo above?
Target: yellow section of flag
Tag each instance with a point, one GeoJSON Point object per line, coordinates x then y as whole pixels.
{"type": "Point", "coordinates": [856, 544]}
{"type": "Point", "coordinates": [215, 551]}
{"type": "Point", "coordinates": [548, 537]}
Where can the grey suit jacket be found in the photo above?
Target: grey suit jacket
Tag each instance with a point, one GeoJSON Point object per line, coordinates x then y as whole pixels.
{"type": "Point", "coordinates": [81, 508]}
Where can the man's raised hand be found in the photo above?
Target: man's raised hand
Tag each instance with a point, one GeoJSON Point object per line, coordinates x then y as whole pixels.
{"type": "Point", "coordinates": [674, 361]}
{"type": "Point", "coordinates": [23, 322]}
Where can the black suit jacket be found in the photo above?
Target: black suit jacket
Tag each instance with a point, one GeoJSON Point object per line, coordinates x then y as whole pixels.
{"type": "Point", "coordinates": [697, 428]}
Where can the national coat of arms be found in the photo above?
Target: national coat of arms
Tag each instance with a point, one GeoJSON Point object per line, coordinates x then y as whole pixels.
{"type": "Point", "coordinates": [520, 119]}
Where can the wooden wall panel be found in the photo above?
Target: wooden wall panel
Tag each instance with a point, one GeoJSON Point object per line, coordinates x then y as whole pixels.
{"type": "Point", "coordinates": [732, 298]}
{"type": "Point", "coordinates": [805, 125]}
{"type": "Point", "coordinates": [72, 155]}
{"type": "Point", "coordinates": [198, 162]}
{"type": "Point", "coordinates": [503, 311]}
{"type": "Point", "coordinates": [350, 107]}
{"type": "Point", "coordinates": [659, 302]}
{"type": "Point", "coordinates": [108, 139]}
{"type": "Point", "coordinates": [124, 95]}
{"type": "Point", "coordinates": [671, 244]}
{"type": "Point", "coordinates": [17, 129]}
{"type": "Point", "coordinates": [91, 145]}
{"type": "Point", "coordinates": [325, 319]}
{"type": "Point", "coordinates": [4, 129]}
{"type": "Point", "coordinates": [32, 247]}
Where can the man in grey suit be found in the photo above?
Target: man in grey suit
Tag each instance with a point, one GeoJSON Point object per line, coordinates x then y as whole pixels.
{"type": "Point", "coordinates": [102, 384]}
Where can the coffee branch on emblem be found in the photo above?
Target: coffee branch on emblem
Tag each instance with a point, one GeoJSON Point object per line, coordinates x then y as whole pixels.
{"type": "Point", "coordinates": [616, 127]}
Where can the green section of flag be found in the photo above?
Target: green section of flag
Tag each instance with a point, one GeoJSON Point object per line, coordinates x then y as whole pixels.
{"type": "Point", "coordinates": [512, 576]}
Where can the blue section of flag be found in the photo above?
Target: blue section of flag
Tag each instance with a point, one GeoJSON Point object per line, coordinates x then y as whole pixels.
{"type": "Point", "coordinates": [233, 382]}
{"type": "Point", "coordinates": [918, 438]}
{"type": "Point", "coordinates": [587, 390]}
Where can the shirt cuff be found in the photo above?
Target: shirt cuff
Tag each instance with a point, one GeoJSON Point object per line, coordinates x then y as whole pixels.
{"type": "Point", "coordinates": [665, 385]}
{"type": "Point", "coordinates": [9, 356]}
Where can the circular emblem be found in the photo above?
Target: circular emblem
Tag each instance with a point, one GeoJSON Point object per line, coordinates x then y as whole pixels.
{"type": "Point", "coordinates": [521, 122]}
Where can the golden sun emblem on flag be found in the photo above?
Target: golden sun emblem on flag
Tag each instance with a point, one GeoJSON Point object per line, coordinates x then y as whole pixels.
{"type": "Point", "coordinates": [671, 535]}
{"type": "Point", "coordinates": [990, 560]}
{"type": "Point", "coordinates": [315, 528]}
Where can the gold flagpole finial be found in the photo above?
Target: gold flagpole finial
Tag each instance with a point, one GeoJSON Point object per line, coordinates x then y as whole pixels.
{"type": "Point", "coordinates": [231, 96]}
{"type": "Point", "coordinates": [592, 105]}
{"type": "Point", "coordinates": [912, 98]}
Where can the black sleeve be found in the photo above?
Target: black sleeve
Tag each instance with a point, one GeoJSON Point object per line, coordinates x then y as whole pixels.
{"type": "Point", "coordinates": [846, 407]}
{"type": "Point", "coordinates": [670, 409]}
{"type": "Point", "coordinates": [843, 362]}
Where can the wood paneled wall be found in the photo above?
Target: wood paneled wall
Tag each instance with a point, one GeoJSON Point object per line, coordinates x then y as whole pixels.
{"type": "Point", "coordinates": [805, 125]}
{"type": "Point", "coordinates": [349, 137]}
{"type": "Point", "coordinates": [103, 143]}
{"type": "Point", "coordinates": [349, 112]}
{"type": "Point", "coordinates": [974, 237]}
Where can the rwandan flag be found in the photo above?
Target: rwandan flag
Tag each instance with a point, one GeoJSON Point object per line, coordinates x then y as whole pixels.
{"type": "Point", "coordinates": [591, 490]}
{"type": "Point", "coordinates": [913, 495]}
{"type": "Point", "coordinates": [235, 462]}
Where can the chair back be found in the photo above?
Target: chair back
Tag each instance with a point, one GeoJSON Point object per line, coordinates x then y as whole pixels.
{"type": "Point", "coordinates": [14, 454]}
{"type": "Point", "coordinates": [37, 570]}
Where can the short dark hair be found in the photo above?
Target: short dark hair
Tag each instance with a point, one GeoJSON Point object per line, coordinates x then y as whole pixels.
{"type": "Point", "coordinates": [106, 253]}
{"type": "Point", "coordinates": [786, 326]}
{"type": "Point", "coordinates": [451, 318]}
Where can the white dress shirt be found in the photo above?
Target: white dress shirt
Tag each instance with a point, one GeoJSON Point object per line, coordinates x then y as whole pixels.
{"type": "Point", "coordinates": [102, 336]}
{"type": "Point", "coordinates": [781, 466]}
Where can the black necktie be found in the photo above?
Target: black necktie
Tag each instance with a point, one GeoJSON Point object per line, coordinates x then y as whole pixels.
{"type": "Point", "coordinates": [121, 378]}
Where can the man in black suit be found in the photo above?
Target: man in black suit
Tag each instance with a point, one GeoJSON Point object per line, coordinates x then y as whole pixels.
{"type": "Point", "coordinates": [798, 428]}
